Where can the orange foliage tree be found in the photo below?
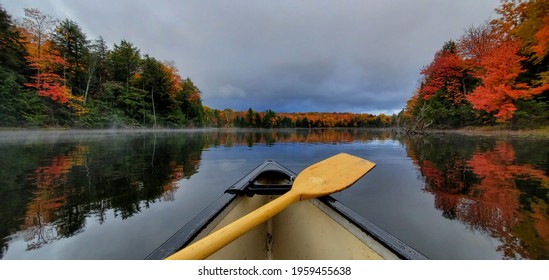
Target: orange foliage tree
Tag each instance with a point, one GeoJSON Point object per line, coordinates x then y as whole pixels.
{"type": "Point", "coordinates": [500, 64]}
{"type": "Point", "coordinates": [46, 61]}
{"type": "Point", "coordinates": [498, 68]}
{"type": "Point", "coordinates": [534, 32]}
{"type": "Point", "coordinates": [173, 78]}
{"type": "Point", "coordinates": [498, 72]}
{"type": "Point", "coordinates": [46, 81]}
{"type": "Point", "coordinates": [511, 16]}
{"type": "Point", "coordinates": [37, 28]}
{"type": "Point", "coordinates": [541, 48]}
{"type": "Point", "coordinates": [446, 72]}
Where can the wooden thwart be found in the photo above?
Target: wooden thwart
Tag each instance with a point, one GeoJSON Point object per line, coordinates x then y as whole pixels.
{"type": "Point", "coordinates": [322, 178]}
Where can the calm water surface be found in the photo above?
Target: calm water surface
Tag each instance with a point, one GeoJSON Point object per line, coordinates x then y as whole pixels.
{"type": "Point", "coordinates": [119, 195]}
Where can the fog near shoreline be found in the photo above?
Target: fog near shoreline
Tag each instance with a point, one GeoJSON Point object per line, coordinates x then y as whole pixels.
{"type": "Point", "coordinates": [56, 135]}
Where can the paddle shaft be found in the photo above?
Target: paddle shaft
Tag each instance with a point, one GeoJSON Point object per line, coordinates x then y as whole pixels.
{"type": "Point", "coordinates": [217, 240]}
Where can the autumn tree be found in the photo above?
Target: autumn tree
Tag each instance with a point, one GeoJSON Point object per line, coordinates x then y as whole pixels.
{"type": "Point", "coordinates": [475, 43]}
{"type": "Point", "coordinates": [43, 57]}
{"type": "Point", "coordinates": [38, 27]}
{"type": "Point", "coordinates": [46, 81]}
{"type": "Point", "coordinates": [541, 46]}
{"type": "Point", "coordinates": [228, 116]}
{"type": "Point", "coordinates": [191, 102]}
{"type": "Point", "coordinates": [18, 106]}
{"type": "Point", "coordinates": [533, 31]}
{"type": "Point", "coordinates": [500, 65]}
{"type": "Point", "coordinates": [441, 97]}
{"type": "Point", "coordinates": [173, 94]}
{"type": "Point", "coordinates": [498, 74]}
{"type": "Point", "coordinates": [511, 16]}
{"type": "Point", "coordinates": [47, 63]}
{"type": "Point", "coordinates": [498, 71]}
{"type": "Point", "coordinates": [445, 73]}
{"type": "Point", "coordinates": [49, 68]}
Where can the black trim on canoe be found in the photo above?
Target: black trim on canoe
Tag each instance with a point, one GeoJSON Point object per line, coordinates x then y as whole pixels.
{"type": "Point", "coordinates": [272, 178]}
{"type": "Point", "coordinates": [244, 186]}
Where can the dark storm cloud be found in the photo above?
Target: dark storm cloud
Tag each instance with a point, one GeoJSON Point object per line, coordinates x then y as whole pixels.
{"type": "Point", "coordinates": [359, 56]}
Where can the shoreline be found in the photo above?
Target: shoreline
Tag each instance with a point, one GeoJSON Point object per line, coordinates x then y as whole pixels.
{"type": "Point", "coordinates": [495, 131]}
{"type": "Point", "coordinates": [480, 130]}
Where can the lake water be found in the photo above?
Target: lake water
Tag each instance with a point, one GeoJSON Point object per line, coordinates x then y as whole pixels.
{"type": "Point", "coordinates": [119, 195]}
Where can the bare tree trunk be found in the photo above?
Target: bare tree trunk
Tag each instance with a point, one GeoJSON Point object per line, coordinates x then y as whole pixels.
{"type": "Point", "coordinates": [87, 89]}
{"type": "Point", "coordinates": [91, 69]}
{"type": "Point", "coordinates": [420, 124]}
{"type": "Point", "coordinates": [154, 111]}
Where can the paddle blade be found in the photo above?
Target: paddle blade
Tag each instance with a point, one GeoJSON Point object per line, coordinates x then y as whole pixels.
{"type": "Point", "coordinates": [330, 175]}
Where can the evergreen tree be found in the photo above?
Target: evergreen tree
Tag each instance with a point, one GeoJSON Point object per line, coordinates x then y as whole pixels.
{"type": "Point", "coordinates": [72, 45]}
{"type": "Point", "coordinates": [124, 62]}
{"type": "Point", "coordinates": [12, 50]}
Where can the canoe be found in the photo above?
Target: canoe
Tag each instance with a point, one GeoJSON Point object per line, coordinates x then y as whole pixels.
{"type": "Point", "coordinates": [314, 229]}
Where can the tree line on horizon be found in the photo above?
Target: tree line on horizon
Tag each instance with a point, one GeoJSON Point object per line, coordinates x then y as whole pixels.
{"type": "Point", "coordinates": [495, 74]}
{"type": "Point", "coordinates": [271, 119]}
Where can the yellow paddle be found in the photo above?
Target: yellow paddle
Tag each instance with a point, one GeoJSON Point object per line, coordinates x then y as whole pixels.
{"type": "Point", "coordinates": [322, 178]}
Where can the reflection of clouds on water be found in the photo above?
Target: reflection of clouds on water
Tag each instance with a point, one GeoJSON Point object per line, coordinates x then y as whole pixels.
{"type": "Point", "coordinates": [230, 165]}
{"type": "Point", "coordinates": [383, 144]}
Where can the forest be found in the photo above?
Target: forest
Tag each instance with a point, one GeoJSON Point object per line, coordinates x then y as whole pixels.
{"type": "Point", "coordinates": [495, 74]}
{"type": "Point", "coordinates": [52, 75]}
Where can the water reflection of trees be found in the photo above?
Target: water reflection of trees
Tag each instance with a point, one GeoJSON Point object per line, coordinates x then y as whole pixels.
{"type": "Point", "coordinates": [272, 136]}
{"type": "Point", "coordinates": [53, 189]}
{"type": "Point", "coordinates": [493, 186]}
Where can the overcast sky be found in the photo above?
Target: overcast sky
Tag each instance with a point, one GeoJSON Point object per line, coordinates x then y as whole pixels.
{"type": "Point", "coordinates": [288, 56]}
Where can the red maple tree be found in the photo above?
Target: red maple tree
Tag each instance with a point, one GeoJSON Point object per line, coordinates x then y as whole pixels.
{"type": "Point", "coordinates": [46, 81]}
{"type": "Point", "coordinates": [444, 73]}
{"type": "Point", "coordinates": [499, 69]}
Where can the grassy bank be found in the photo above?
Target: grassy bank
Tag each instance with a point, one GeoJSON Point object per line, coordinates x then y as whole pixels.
{"type": "Point", "coordinates": [501, 131]}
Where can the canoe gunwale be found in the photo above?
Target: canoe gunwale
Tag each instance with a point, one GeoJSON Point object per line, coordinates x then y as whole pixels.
{"type": "Point", "coordinates": [185, 235]}
{"type": "Point", "coordinates": [245, 186]}
{"type": "Point", "coordinates": [393, 244]}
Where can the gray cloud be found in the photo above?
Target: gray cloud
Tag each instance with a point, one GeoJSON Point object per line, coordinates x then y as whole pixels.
{"type": "Point", "coordinates": [359, 56]}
